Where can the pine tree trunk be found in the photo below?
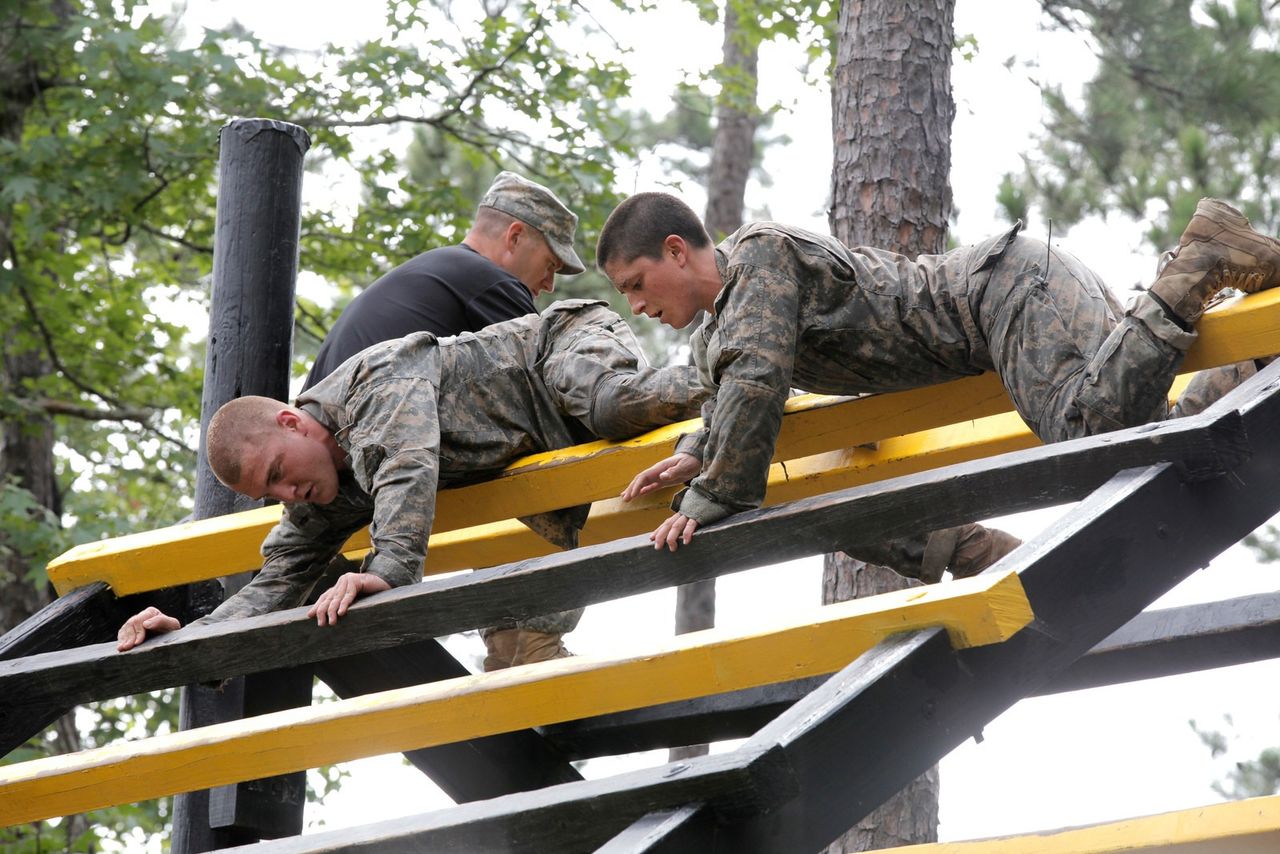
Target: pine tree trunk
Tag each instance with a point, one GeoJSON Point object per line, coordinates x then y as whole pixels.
{"type": "Point", "coordinates": [732, 153]}
{"type": "Point", "coordinates": [891, 116]}
{"type": "Point", "coordinates": [737, 118]}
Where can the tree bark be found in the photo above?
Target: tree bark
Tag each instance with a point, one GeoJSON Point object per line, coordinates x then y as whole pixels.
{"type": "Point", "coordinates": [737, 118]}
{"type": "Point", "coordinates": [890, 188]}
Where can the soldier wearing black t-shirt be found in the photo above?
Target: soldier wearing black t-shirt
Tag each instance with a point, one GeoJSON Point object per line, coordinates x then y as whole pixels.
{"type": "Point", "coordinates": [522, 236]}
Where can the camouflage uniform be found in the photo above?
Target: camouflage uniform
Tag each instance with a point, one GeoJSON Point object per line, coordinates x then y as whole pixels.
{"type": "Point", "coordinates": [800, 309]}
{"type": "Point", "coordinates": [416, 411]}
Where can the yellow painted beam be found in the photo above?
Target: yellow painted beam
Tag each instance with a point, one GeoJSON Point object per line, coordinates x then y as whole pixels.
{"type": "Point", "coordinates": [1237, 827]}
{"type": "Point", "coordinates": [814, 424]}
{"type": "Point", "coordinates": [980, 610]}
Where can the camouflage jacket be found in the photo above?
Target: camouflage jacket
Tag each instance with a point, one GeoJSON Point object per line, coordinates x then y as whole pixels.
{"type": "Point", "coordinates": [416, 411]}
{"type": "Point", "coordinates": [801, 309]}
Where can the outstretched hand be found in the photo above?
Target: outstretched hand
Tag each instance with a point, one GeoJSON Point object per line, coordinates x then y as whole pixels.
{"type": "Point", "coordinates": [334, 602]}
{"type": "Point", "coordinates": [674, 469]}
{"type": "Point", "coordinates": [134, 631]}
{"type": "Point", "coordinates": [677, 529]}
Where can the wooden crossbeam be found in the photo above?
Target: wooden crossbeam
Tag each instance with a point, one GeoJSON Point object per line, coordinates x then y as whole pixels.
{"type": "Point", "coordinates": [1249, 826]}
{"type": "Point", "coordinates": [815, 424]}
{"type": "Point", "coordinates": [1163, 642]}
{"type": "Point", "coordinates": [975, 611]}
{"type": "Point", "coordinates": [1114, 553]}
{"type": "Point", "coordinates": [1213, 442]}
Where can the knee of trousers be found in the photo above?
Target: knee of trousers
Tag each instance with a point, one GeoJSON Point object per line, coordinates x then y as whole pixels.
{"type": "Point", "coordinates": [559, 623]}
{"type": "Point", "coordinates": [1125, 384]}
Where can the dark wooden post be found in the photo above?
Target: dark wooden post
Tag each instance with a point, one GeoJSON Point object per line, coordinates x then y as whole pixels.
{"type": "Point", "coordinates": [255, 268]}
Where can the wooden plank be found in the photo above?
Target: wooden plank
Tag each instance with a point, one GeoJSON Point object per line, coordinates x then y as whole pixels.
{"type": "Point", "coordinates": [1111, 555]}
{"type": "Point", "coordinates": [517, 761]}
{"type": "Point", "coordinates": [664, 832]}
{"type": "Point", "coordinates": [1171, 641]}
{"type": "Point", "coordinates": [973, 611]}
{"type": "Point", "coordinates": [909, 701]}
{"type": "Point", "coordinates": [814, 424]}
{"type": "Point", "coordinates": [1164, 642]}
{"type": "Point", "coordinates": [1250, 826]}
{"type": "Point", "coordinates": [1033, 478]}
{"type": "Point", "coordinates": [585, 815]}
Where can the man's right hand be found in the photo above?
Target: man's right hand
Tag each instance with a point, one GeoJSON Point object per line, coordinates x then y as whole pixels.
{"type": "Point", "coordinates": [135, 629]}
{"type": "Point", "coordinates": [675, 469]}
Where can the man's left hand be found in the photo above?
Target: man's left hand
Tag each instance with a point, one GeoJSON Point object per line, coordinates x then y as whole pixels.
{"type": "Point", "coordinates": [677, 529]}
{"type": "Point", "coordinates": [334, 602]}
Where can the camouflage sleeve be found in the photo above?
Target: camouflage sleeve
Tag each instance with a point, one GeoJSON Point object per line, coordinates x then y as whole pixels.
{"type": "Point", "coordinates": [295, 554]}
{"type": "Point", "coordinates": [394, 454]}
{"type": "Point", "coordinates": [695, 443]}
{"type": "Point", "coordinates": [750, 361]}
{"type": "Point", "coordinates": [598, 375]}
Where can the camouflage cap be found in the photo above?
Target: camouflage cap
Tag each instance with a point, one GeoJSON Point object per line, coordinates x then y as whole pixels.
{"type": "Point", "coordinates": [536, 205]}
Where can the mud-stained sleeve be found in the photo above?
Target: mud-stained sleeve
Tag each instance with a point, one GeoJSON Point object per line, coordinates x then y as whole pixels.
{"type": "Point", "coordinates": [599, 377]}
{"type": "Point", "coordinates": [752, 371]}
{"type": "Point", "coordinates": [394, 453]}
{"type": "Point", "coordinates": [295, 554]}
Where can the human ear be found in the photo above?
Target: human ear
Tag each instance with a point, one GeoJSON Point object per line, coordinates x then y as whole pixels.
{"type": "Point", "coordinates": [515, 232]}
{"type": "Point", "coordinates": [675, 246]}
{"type": "Point", "coordinates": [288, 419]}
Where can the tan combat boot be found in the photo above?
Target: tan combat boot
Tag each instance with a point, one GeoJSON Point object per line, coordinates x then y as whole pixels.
{"type": "Point", "coordinates": [513, 647]}
{"type": "Point", "coordinates": [965, 550]}
{"type": "Point", "coordinates": [502, 646]}
{"type": "Point", "coordinates": [1219, 249]}
{"type": "Point", "coordinates": [978, 548]}
{"type": "Point", "coordinates": [539, 646]}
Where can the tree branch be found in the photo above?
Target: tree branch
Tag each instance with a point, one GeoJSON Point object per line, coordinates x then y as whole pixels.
{"type": "Point", "coordinates": [181, 241]}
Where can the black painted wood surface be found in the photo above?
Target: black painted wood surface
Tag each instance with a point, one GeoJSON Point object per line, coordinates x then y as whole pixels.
{"type": "Point", "coordinates": [1024, 480]}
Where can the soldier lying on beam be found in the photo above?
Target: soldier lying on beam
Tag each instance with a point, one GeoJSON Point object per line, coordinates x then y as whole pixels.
{"type": "Point", "coordinates": [369, 443]}
{"type": "Point", "coordinates": [786, 307]}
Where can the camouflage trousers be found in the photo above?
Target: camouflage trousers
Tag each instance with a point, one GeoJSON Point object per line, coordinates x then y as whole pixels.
{"type": "Point", "coordinates": [559, 623]}
{"type": "Point", "coordinates": [1074, 363]}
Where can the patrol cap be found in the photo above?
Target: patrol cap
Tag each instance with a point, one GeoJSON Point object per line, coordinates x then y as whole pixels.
{"type": "Point", "coordinates": [536, 205]}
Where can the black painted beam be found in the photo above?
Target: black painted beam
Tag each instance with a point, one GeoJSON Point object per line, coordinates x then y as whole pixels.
{"type": "Point", "coordinates": [1033, 478]}
{"type": "Point", "coordinates": [1165, 642]}
{"type": "Point", "coordinates": [567, 818]}
{"type": "Point", "coordinates": [674, 831]}
{"type": "Point", "coordinates": [1106, 560]}
{"type": "Point", "coordinates": [899, 708]}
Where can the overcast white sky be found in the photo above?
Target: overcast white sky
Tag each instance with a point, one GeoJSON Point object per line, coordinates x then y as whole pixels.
{"type": "Point", "coordinates": [1049, 762]}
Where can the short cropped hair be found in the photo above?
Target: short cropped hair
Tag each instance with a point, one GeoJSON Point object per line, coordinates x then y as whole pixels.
{"type": "Point", "coordinates": [492, 222]}
{"type": "Point", "coordinates": [238, 423]}
{"type": "Point", "coordinates": [638, 226]}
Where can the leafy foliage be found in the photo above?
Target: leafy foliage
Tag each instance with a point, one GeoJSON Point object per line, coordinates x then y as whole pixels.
{"type": "Point", "coordinates": [108, 134]}
{"type": "Point", "coordinates": [1185, 103]}
{"type": "Point", "coordinates": [1252, 778]}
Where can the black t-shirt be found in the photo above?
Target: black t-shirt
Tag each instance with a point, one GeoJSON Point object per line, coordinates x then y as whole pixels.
{"type": "Point", "coordinates": [447, 291]}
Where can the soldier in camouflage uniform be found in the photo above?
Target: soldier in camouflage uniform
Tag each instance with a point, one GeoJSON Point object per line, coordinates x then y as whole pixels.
{"type": "Point", "coordinates": [788, 307]}
{"type": "Point", "coordinates": [369, 444]}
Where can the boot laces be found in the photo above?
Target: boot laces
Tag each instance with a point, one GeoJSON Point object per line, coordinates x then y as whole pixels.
{"type": "Point", "coordinates": [1247, 281]}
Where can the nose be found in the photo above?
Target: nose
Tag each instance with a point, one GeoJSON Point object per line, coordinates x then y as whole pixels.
{"type": "Point", "coordinates": [636, 303]}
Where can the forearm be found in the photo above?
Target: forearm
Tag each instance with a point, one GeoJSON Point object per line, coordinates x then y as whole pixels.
{"type": "Point", "coordinates": [404, 510]}
{"type": "Point", "coordinates": [626, 404]}
{"type": "Point", "coordinates": [739, 446]}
